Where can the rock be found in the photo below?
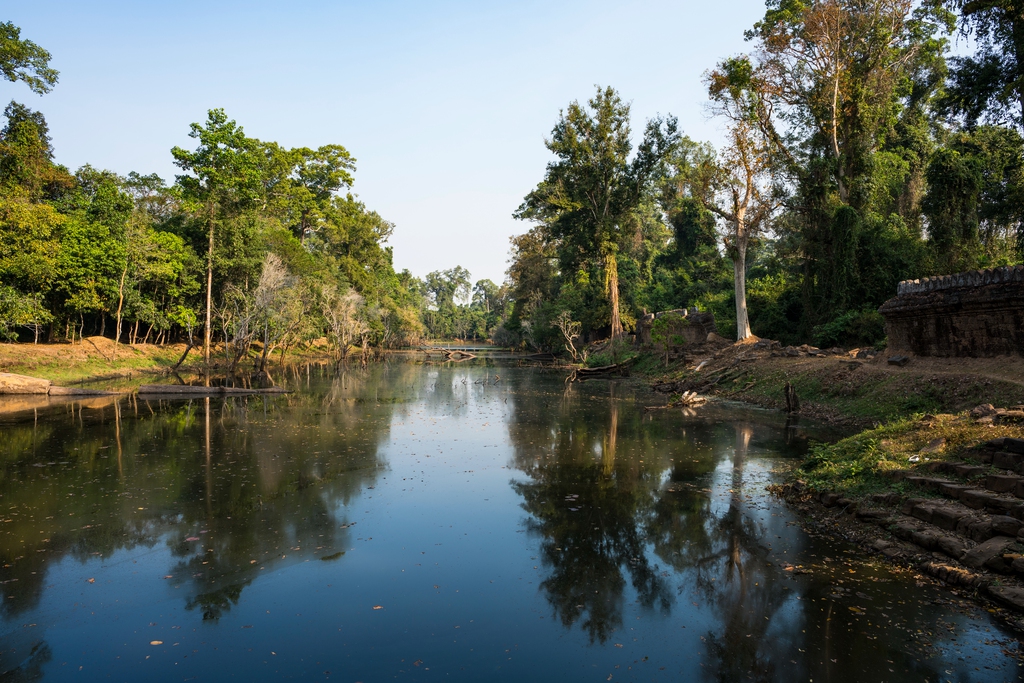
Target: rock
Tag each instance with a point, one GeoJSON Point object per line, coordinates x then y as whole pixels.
{"type": "Point", "coordinates": [990, 553]}
{"type": "Point", "coordinates": [1009, 417]}
{"type": "Point", "coordinates": [970, 471]}
{"type": "Point", "coordinates": [947, 517]}
{"type": "Point", "coordinates": [953, 490]}
{"type": "Point", "coordinates": [712, 337]}
{"type": "Point", "coordinates": [952, 545]}
{"type": "Point", "coordinates": [22, 384]}
{"type": "Point", "coordinates": [828, 499]}
{"type": "Point", "coordinates": [923, 512]}
{"type": "Point", "coordinates": [1007, 461]}
{"type": "Point", "coordinates": [1013, 445]}
{"type": "Point", "coordinates": [1006, 526]}
{"type": "Point", "coordinates": [934, 446]}
{"type": "Point", "coordinates": [898, 360]}
{"type": "Point", "coordinates": [1001, 483]}
{"type": "Point", "coordinates": [976, 498]}
{"type": "Point", "coordinates": [983, 410]}
{"type": "Point", "coordinates": [1008, 595]}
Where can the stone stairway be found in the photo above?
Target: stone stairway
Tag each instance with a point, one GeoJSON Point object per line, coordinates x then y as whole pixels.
{"type": "Point", "coordinates": [972, 514]}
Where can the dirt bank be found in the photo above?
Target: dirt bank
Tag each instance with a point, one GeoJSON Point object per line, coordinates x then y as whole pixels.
{"type": "Point", "coordinates": [835, 385]}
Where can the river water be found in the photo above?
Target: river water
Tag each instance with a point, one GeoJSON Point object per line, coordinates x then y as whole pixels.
{"type": "Point", "coordinates": [457, 522]}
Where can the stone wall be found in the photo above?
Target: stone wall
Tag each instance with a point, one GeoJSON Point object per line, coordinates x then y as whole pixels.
{"type": "Point", "coordinates": [975, 314]}
{"type": "Point", "coordinates": [695, 330]}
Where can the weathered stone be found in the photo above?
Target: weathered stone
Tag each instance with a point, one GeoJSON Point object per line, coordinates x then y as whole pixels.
{"type": "Point", "coordinates": [910, 503]}
{"type": "Point", "coordinates": [22, 384]}
{"type": "Point", "coordinates": [929, 540]}
{"type": "Point", "coordinates": [1010, 596]}
{"type": "Point", "coordinates": [983, 410]}
{"type": "Point", "coordinates": [1007, 506]}
{"type": "Point", "coordinates": [1003, 525]}
{"type": "Point", "coordinates": [828, 499]}
{"type": "Point", "coordinates": [953, 490]}
{"type": "Point", "coordinates": [1007, 461]}
{"type": "Point", "coordinates": [934, 446]}
{"type": "Point", "coordinates": [846, 503]}
{"type": "Point", "coordinates": [1001, 483]}
{"type": "Point", "coordinates": [976, 316]}
{"type": "Point", "coordinates": [904, 530]}
{"type": "Point", "coordinates": [976, 529]}
{"type": "Point", "coordinates": [691, 326]}
{"type": "Point", "coordinates": [947, 517]}
{"type": "Point", "coordinates": [970, 471]}
{"type": "Point", "coordinates": [898, 360]}
{"type": "Point", "coordinates": [923, 512]}
{"type": "Point", "coordinates": [990, 553]}
{"type": "Point", "coordinates": [869, 514]}
{"type": "Point", "coordinates": [1017, 565]}
{"type": "Point", "coordinates": [1013, 445]}
{"type": "Point", "coordinates": [952, 546]}
{"type": "Point", "coordinates": [976, 498]}
{"type": "Point", "coordinates": [1009, 417]}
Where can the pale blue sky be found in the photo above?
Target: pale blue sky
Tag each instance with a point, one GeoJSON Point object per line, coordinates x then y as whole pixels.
{"type": "Point", "coordinates": [444, 104]}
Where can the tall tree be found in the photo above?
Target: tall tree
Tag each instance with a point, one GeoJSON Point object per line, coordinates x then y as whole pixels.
{"type": "Point", "coordinates": [741, 187]}
{"type": "Point", "coordinates": [592, 195]}
{"type": "Point", "coordinates": [990, 83]}
{"type": "Point", "coordinates": [23, 60]}
{"type": "Point", "coordinates": [223, 179]}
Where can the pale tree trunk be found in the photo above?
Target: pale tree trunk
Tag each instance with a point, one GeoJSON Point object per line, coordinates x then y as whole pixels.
{"type": "Point", "coordinates": [739, 265]}
{"type": "Point", "coordinates": [209, 297]}
{"type": "Point", "coordinates": [612, 274]}
{"type": "Point", "coordinates": [120, 307]}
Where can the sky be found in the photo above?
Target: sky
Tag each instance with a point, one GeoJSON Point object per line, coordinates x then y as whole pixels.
{"type": "Point", "coordinates": [445, 105]}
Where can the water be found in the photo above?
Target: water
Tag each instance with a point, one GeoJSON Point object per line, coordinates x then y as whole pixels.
{"type": "Point", "coordinates": [443, 522]}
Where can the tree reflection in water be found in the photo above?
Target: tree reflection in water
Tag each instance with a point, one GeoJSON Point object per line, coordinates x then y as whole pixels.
{"type": "Point", "coordinates": [610, 497]}
{"type": "Point", "coordinates": [234, 486]}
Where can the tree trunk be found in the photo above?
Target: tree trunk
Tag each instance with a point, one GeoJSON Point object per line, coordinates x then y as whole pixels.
{"type": "Point", "coordinates": [103, 323]}
{"type": "Point", "coordinates": [739, 266]}
{"type": "Point", "coordinates": [120, 307]}
{"type": "Point", "coordinates": [612, 275]}
{"type": "Point", "coordinates": [209, 295]}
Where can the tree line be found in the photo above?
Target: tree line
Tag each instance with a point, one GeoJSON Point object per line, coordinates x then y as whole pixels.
{"type": "Point", "coordinates": [857, 153]}
{"type": "Point", "coordinates": [253, 246]}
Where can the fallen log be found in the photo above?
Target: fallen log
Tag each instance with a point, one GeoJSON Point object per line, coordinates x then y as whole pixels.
{"type": "Point", "coordinates": [74, 391]}
{"type": "Point", "coordinates": [188, 390]}
{"type": "Point", "coordinates": [617, 368]}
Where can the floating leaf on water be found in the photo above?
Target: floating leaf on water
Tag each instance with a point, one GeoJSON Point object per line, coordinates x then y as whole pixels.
{"type": "Point", "coordinates": [378, 607]}
{"type": "Point", "coordinates": [156, 642]}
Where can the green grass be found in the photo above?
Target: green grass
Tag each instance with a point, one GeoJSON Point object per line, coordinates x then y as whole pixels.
{"type": "Point", "coordinates": [858, 465]}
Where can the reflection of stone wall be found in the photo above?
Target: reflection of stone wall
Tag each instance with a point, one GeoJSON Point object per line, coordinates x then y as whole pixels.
{"type": "Point", "coordinates": [695, 330]}
{"type": "Point", "coordinates": [974, 314]}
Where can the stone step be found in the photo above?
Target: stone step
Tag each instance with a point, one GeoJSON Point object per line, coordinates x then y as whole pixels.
{"type": "Point", "coordinates": [976, 540]}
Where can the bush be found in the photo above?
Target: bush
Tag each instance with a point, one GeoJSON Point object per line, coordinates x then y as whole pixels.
{"type": "Point", "coordinates": [854, 328]}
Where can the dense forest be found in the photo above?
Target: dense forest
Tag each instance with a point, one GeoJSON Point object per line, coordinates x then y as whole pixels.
{"type": "Point", "coordinates": [859, 151]}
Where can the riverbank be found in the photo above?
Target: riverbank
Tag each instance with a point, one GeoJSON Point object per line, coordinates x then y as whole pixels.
{"type": "Point", "coordinates": [98, 359]}
{"type": "Point", "coordinates": [852, 388]}
{"type": "Point", "coordinates": [932, 481]}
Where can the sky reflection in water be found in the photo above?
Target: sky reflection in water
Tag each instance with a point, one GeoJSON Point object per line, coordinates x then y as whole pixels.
{"type": "Point", "coordinates": [432, 522]}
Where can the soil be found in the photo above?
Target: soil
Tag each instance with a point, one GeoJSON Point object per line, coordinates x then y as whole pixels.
{"type": "Point", "coordinates": [836, 386]}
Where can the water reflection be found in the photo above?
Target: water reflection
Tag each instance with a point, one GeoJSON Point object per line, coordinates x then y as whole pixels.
{"type": "Point", "coordinates": [234, 486]}
{"type": "Point", "coordinates": [647, 536]}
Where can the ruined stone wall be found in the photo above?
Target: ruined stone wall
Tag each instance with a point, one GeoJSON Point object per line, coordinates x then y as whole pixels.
{"type": "Point", "coordinates": [975, 314]}
{"type": "Point", "coordinates": [696, 329]}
